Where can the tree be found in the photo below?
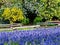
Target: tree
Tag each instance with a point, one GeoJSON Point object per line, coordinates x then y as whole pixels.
{"type": "Point", "coordinates": [49, 9]}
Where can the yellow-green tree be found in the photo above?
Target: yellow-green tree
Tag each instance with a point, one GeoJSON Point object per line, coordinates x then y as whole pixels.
{"type": "Point", "coordinates": [49, 8]}
{"type": "Point", "coordinates": [13, 14]}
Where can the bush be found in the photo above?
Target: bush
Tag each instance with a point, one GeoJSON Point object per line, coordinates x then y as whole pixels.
{"type": "Point", "coordinates": [37, 20]}
{"type": "Point", "coordinates": [13, 14]}
{"type": "Point", "coordinates": [1, 12]}
{"type": "Point", "coordinates": [30, 10]}
{"type": "Point", "coordinates": [25, 21]}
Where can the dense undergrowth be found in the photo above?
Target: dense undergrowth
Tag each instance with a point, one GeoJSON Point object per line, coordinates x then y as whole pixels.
{"type": "Point", "coordinates": [33, 11]}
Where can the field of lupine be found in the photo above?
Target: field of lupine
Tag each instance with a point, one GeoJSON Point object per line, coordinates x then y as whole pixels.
{"type": "Point", "coordinates": [41, 36]}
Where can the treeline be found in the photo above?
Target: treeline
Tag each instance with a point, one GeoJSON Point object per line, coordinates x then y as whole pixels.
{"type": "Point", "coordinates": [29, 11]}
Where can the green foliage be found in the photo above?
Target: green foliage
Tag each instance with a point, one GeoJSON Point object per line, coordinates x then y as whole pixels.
{"type": "Point", "coordinates": [30, 9]}
{"type": "Point", "coordinates": [49, 9]}
{"type": "Point", "coordinates": [12, 43]}
{"type": "Point", "coordinates": [1, 12]}
{"type": "Point", "coordinates": [37, 20]}
{"type": "Point", "coordinates": [25, 21]}
{"type": "Point", "coordinates": [46, 9]}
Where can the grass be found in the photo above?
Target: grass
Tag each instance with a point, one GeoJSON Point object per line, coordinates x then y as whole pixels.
{"type": "Point", "coordinates": [17, 29]}
{"type": "Point", "coordinates": [12, 43]}
{"type": "Point", "coordinates": [25, 28]}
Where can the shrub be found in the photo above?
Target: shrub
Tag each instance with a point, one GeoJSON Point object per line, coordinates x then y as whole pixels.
{"type": "Point", "coordinates": [30, 9]}
{"type": "Point", "coordinates": [1, 12]}
{"type": "Point", "coordinates": [13, 14]}
{"type": "Point", "coordinates": [25, 21]}
{"type": "Point", "coordinates": [37, 20]}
